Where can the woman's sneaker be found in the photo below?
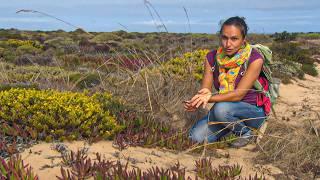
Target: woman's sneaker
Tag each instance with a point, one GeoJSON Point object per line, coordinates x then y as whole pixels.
{"type": "Point", "coordinates": [242, 140]}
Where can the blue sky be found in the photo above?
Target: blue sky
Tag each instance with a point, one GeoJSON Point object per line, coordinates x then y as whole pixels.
{"type": "Point", "coordinates": [263, 16]}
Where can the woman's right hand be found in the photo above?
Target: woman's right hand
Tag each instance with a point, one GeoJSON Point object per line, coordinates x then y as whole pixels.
{"type": "Point", "coordinates": [188, 106]}
{"type": "Point", "coordinates": [201, 97]}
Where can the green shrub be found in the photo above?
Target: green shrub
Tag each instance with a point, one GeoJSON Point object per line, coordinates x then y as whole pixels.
{"type": "Point", "coordinates": [259, 38]}
{"type": "Point", "coordinates": [105, 37]}
{"type": "Point", "coordinates": [123, 34]}
{"type": "Point", "coordinates": [310, 36]}
{"type": "Point", "coordinates": [61, 115]}
{"type": "Point", "coordinates": [7, 86]}
{"type": "Point", "coordinates": [74, 61]}
{"type": "Point", "coordinates": [309, 69]}
{"type": "Point", "coordinates": [292, 60]}
{"type": "Point", "coordinates": [70, 60]}
{"type": "Point", "coordinates": [2, 50]}
{"type": "Point", "coordinates": [130, 44]}
{"type": "Point", "coordinates": [284, 36]}
{"type": "Point", "coordinates": [84, 81]}
{"type": "Point", "coordinates": [291, 52]}
{"type": "Point", "coordinates": [60, 43]}
{"type": "Point", "coordinates": [27, 49]}
{"type": "Point", "coordinates": [10, 35]}
{"type": "Point", "coordinates": [41, 37]}
{"type": "Point", "coordinates": [3, 44]}
{"type": "Point", "coordinates": [8, 55]}
{"type": "Point", "coordinates": [13, 73]}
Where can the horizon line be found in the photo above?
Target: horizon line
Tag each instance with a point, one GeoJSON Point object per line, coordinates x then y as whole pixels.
{"type": "Point", "coordinates": [55, 30]}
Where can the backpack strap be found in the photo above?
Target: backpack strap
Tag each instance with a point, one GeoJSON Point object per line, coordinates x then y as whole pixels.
{"type": "Point", "coordinates": [256, 84]}
{"type": "Point", "coordinates": [246, 64]}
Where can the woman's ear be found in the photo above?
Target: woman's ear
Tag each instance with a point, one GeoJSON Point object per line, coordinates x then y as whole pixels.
{"type": "Point", "coordinates": [245, 41]}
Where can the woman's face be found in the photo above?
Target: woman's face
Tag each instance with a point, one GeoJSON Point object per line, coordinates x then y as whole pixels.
{"type": "Point", "coordinates": [231, 39]}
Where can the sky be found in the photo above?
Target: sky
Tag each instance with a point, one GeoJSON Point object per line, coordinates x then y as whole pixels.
{"type": "Point", "coordinates": [183, 16]}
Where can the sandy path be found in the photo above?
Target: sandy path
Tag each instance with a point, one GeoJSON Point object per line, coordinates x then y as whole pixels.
{"type": "Point", "coordinates": [299, 99]}
{"type": "Point", "coordinates": [46, 162]}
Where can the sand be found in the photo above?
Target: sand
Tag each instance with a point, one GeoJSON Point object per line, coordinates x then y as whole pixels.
{"type": "Point", "coordinates": [46, 162]}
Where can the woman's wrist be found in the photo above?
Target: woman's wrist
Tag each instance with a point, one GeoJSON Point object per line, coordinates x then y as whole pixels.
{"type": "Point", "coordinates": [205, 88]}
{"type": "Point", "coordinates": [212, 99]}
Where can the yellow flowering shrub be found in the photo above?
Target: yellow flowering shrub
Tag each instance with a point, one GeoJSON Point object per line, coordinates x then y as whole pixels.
{"type": "Point", "coordinates": [60, 115]}
{"type": "Point", "coordinates": [18, 43]}
{"type": "Point", "coordinates": [190, 62]}
{"type": "Point", "coordinates": [27, 49]}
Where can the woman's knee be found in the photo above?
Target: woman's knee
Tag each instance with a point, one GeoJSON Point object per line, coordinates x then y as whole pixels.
{"type": "Point", "coordinates": [221, 110]}
{"type": "Point", "coordinates": [198, 132]}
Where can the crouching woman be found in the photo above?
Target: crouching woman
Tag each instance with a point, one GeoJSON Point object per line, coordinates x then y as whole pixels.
{"type": "Point", "coordinates": [237, 99]}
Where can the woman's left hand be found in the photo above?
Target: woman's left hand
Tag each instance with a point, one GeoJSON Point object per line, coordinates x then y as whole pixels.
{"type": "Point", "coordinates": [202, 97]}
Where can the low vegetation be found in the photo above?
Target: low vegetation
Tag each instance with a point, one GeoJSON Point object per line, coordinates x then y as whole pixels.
{"type": "Point", "coordinates": [127, 87]}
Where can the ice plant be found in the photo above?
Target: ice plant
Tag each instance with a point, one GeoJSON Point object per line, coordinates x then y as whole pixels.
{"type": "Point", "coordinates": [15, 168]}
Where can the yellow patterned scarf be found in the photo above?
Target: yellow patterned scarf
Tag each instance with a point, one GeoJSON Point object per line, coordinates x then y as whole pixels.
{"type": "Point", "coordinates": [229, 67]}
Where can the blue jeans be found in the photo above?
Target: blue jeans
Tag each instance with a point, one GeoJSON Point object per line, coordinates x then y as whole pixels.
{"type": "Point", "coordinates": [227, 115]}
